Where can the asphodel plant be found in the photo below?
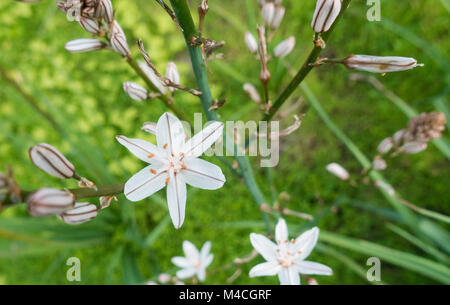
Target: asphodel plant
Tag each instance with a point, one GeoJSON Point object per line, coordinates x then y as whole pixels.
{"type": "Point", "coordinates": [174, 159]}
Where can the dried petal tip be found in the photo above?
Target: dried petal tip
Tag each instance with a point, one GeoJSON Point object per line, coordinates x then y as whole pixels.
{"type": "Point", "coordinates": [173, 75]}
{"type": "Point", "coordinates": [252, 92]}
{"type": "Point", "coordinates": [51, 161]}
{"type": "Point", "coordinates": [338, 171]}
{"type": "Point", "coordinates": [84, 45]}
{"type": "Point", "coordinates": [81, 213]}
{"type": "Point", "coordinates": [325, 14]}
{"type": "Point", "coordinates": [380, 64]}
{"type": "Point", "coordinates": [135, 91]}
{"type": "Point", "coordinates": [49, 201]}
{"type": "Point", "coordinates": [250, 42]}
{"type": "Point", "coordinates": [285, 47]}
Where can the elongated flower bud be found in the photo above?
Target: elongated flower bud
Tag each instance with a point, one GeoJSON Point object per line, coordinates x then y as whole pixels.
{"type": "Point", "coordinates": [135, 91]}
{"type": "Point", "coordinates": [105, 10]}
{"type": "Point", "coordinates": [278, 17]}
{"type": "Point", "coordinates": [285, 47]}
{"type": "Point", "coordinates": [268, 12]}
{"type": "Point", "coordinates": [51, 161]}
{"type": "Point", "coordinates": [119, 40]}
{"type": "Point", "coordinates": [152, 76]}
{"type": "Point", "coordinates": [325, 14]}
{"type": "Point", "coordinates": [84, 45]}
{"type": "Point", "coordinates": [250, 42]}
{"type": "Point", "coordinates": [49, 201]}
{"type": "Point", "coordinates": [81, 213]}
{"type": "Point", "coordinates": [385, 146]}
{"type": "Point", "coordinates": [338, 171]}
{"type": "Point", "coordinates": [379, 164]}
{"type": "Point", "coordinates": [252, 92]}
{"type": "Point", "coordinates": [149, 127]}
{"type": "Point", "coordinates": [89, 25]}
{"type": "Point", "coordinates": [380, 64]}
{"type": "Point", "coordinates": [172, 74]}
{"type": "Point", "coordinates": [413, 147]}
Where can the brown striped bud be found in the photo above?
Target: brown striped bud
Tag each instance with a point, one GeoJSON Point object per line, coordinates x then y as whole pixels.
{"type": "Point", "coordinates": [325, 14]}
{"type": "Point", "coordinates": [84, 45]}
{"type": "Point", "coordinates": [105, 10]}
{"type": "Point", "coordinates": [268, 12]}
{"type": "Point", "coordinates": [135, 91]}
{"type": "Point", "coordinates": [380, 64]}
{"type": "Point", "coordinates": [49, 201]}
{"type": "Point", "coordinates": [81, 213]}
{"type": "Point", "coordinates": [51, 161]}
{"type": "Point", "coordinates": [119, 40]}
{"type": "Point", "coordinates": [149, 127]}
{"type": "Point", "coordinates": [89, 25]}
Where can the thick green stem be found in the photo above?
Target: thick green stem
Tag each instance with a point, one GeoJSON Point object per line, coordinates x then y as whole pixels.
{"type": "Point", "coordinates": [190, 32]}
{"type": "Point", "coordinates": [305, 69]}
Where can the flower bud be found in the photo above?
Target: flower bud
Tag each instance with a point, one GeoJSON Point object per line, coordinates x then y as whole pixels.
{"type": "Point", "coordinates": [149, 127]}
{"type": "Point", "coordinates": [84, 45]}
{"type": "Point", "coordinates": [338, 171]}
{"type": "Point", "coordinates": [385, 146]}
{"type": "Point", "coordinates": [251, 42]}
{"type": "Point", "coordinates": [278, 17]}
{"type": "Point", "coordinates": [89, 25]}
{"type": "Point", "coordinates": [119, 40]}
{"type": "Point", "coordinates": [252, 92]}
{"type": "Point", "coordinates": [152, 77]}
{"type": "Point", "coordinates": [49, 201]}
{"type": "Point", "coordinates": [172, 74]}
{"type": "Point", "coordinates": [105, 10]}
{"type": "Point", "coordinates": [413, 147]}
{"type": "Point", "coordinates": [268, 12]}
{"type": "Point", "coordinates": [61, 6]}
{"type": "Point", "coordinates": [379, 164]}
{"type": "Point", "coordinates": [325, 14]}
{"type": "Point", "coordinates": [81, 213]}
{"type": "Point", "coordinates": [163, 278]}
{"type": "Point", "coordinates": [135, 91]}
{"type": "Point", "coordinates": [398, 136]}
{"type": "Point", "coordinates": [380, 64]}
{"type": "Point", "coordinates": [285, 47]}
{"type": "Point", "coordinates": [51, 161]}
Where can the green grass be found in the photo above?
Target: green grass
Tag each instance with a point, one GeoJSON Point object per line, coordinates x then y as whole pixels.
{"type": "Point", "coordinates": [133, 242]}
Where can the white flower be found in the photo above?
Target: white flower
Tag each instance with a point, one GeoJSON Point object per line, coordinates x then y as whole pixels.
{"type": "Point", "coordinates": [287, 258]}
{"type": "Point", "coordinates": [173, 163]}
{"type": "Point", "coordinates": [338, 171]}
{"type": "Point", "coordinates": [285, 47]}
{"type": "Point", "coordinates": [250, 42]}
{"type": "Point", "coordinates": [380, 64]}
{"type": "Point", "coordinates": [194, 262]}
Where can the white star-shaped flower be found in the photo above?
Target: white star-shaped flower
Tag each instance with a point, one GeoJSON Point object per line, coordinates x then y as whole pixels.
{"type": "Point", "coordinates": [194, 262]}
{"type": "Point", "coordinates": [287, 258]}
{"type": "Point", "coordinates": [173, 163]}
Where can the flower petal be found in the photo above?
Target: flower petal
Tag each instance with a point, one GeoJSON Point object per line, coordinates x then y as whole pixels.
{"type": "Point", "coordinates": [203, 174]}
{"type": "Point", "coordinates": [186, 273]}
{"type": "Point", "coordinates": [201, 274]}
{"type": "Point", "coordinates": [203, 140]}
{"type": "Point", "coordinates": [170, 134]}
{"type": "Point", "coordinates": [176, 199]}
{"type": "Point", "coordinates": [265, 269]}
{"type": "Point", "coordinates": [204, 252]}
{"type": "Point", "coordinates": [289, 276]}
{"type": "Point", "coordinates": [144, 150]}
{"type": "Point", "coordinates": [264, 246]}
{"type": "Point", "coordinates": [181, 262]}
{"type": "Point", "coordinates": [205, 262]}
{"type": "Point", "coordinates": [306, 242]}
{"type": "Point", "coordinates": [190, 251]}
{"type": "Point", "coordinates": [281, 231]}
{"type": "Point", "coordinates": [307, 267]}
{"type": "Point", "coordinates": [145, 183]}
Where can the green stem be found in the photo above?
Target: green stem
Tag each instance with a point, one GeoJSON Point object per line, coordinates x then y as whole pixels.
{"type": "Point", "coordinates": [189, 31]}
{"type": "Point", "coordinates": [305, 69]}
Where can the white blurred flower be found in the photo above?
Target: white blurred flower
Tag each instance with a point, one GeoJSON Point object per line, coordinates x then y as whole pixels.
{"type": "Point", "coordinates": [380, 64]}
{"type": "Point", "coordinates": [268, 12]}
{"type": "Point", "coordinates": [287, 258]}
{"type": "Point", "coordinates": [413, 147]}
{"type": "Point", "coordinates": [195, 262]}
{"type": "Point", "coordinates": [385, 146]}
{"type": "Point", "coordinates": [173, 163]}
{"type": "Point", "coordinates": [285, 47]}
{"type": "Point", "coordinates": [278, 16]}
{"type": "Point", "coordinates": [250, 42]}
{"type": "Point", "coordinates": [252, 92]}
{"type": "Point", "coordinates": [338, 171]}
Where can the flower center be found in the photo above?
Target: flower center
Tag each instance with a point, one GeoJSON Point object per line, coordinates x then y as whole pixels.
{"type": "Point", "coordinates": [286, 254]}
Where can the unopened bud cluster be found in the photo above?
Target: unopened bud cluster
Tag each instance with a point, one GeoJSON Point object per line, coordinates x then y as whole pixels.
{"type": "Point", "coordinates": [96, 17]}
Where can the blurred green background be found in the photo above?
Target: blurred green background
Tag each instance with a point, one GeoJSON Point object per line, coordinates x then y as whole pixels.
{"type": "Point", "coordinates": [133, 242]}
